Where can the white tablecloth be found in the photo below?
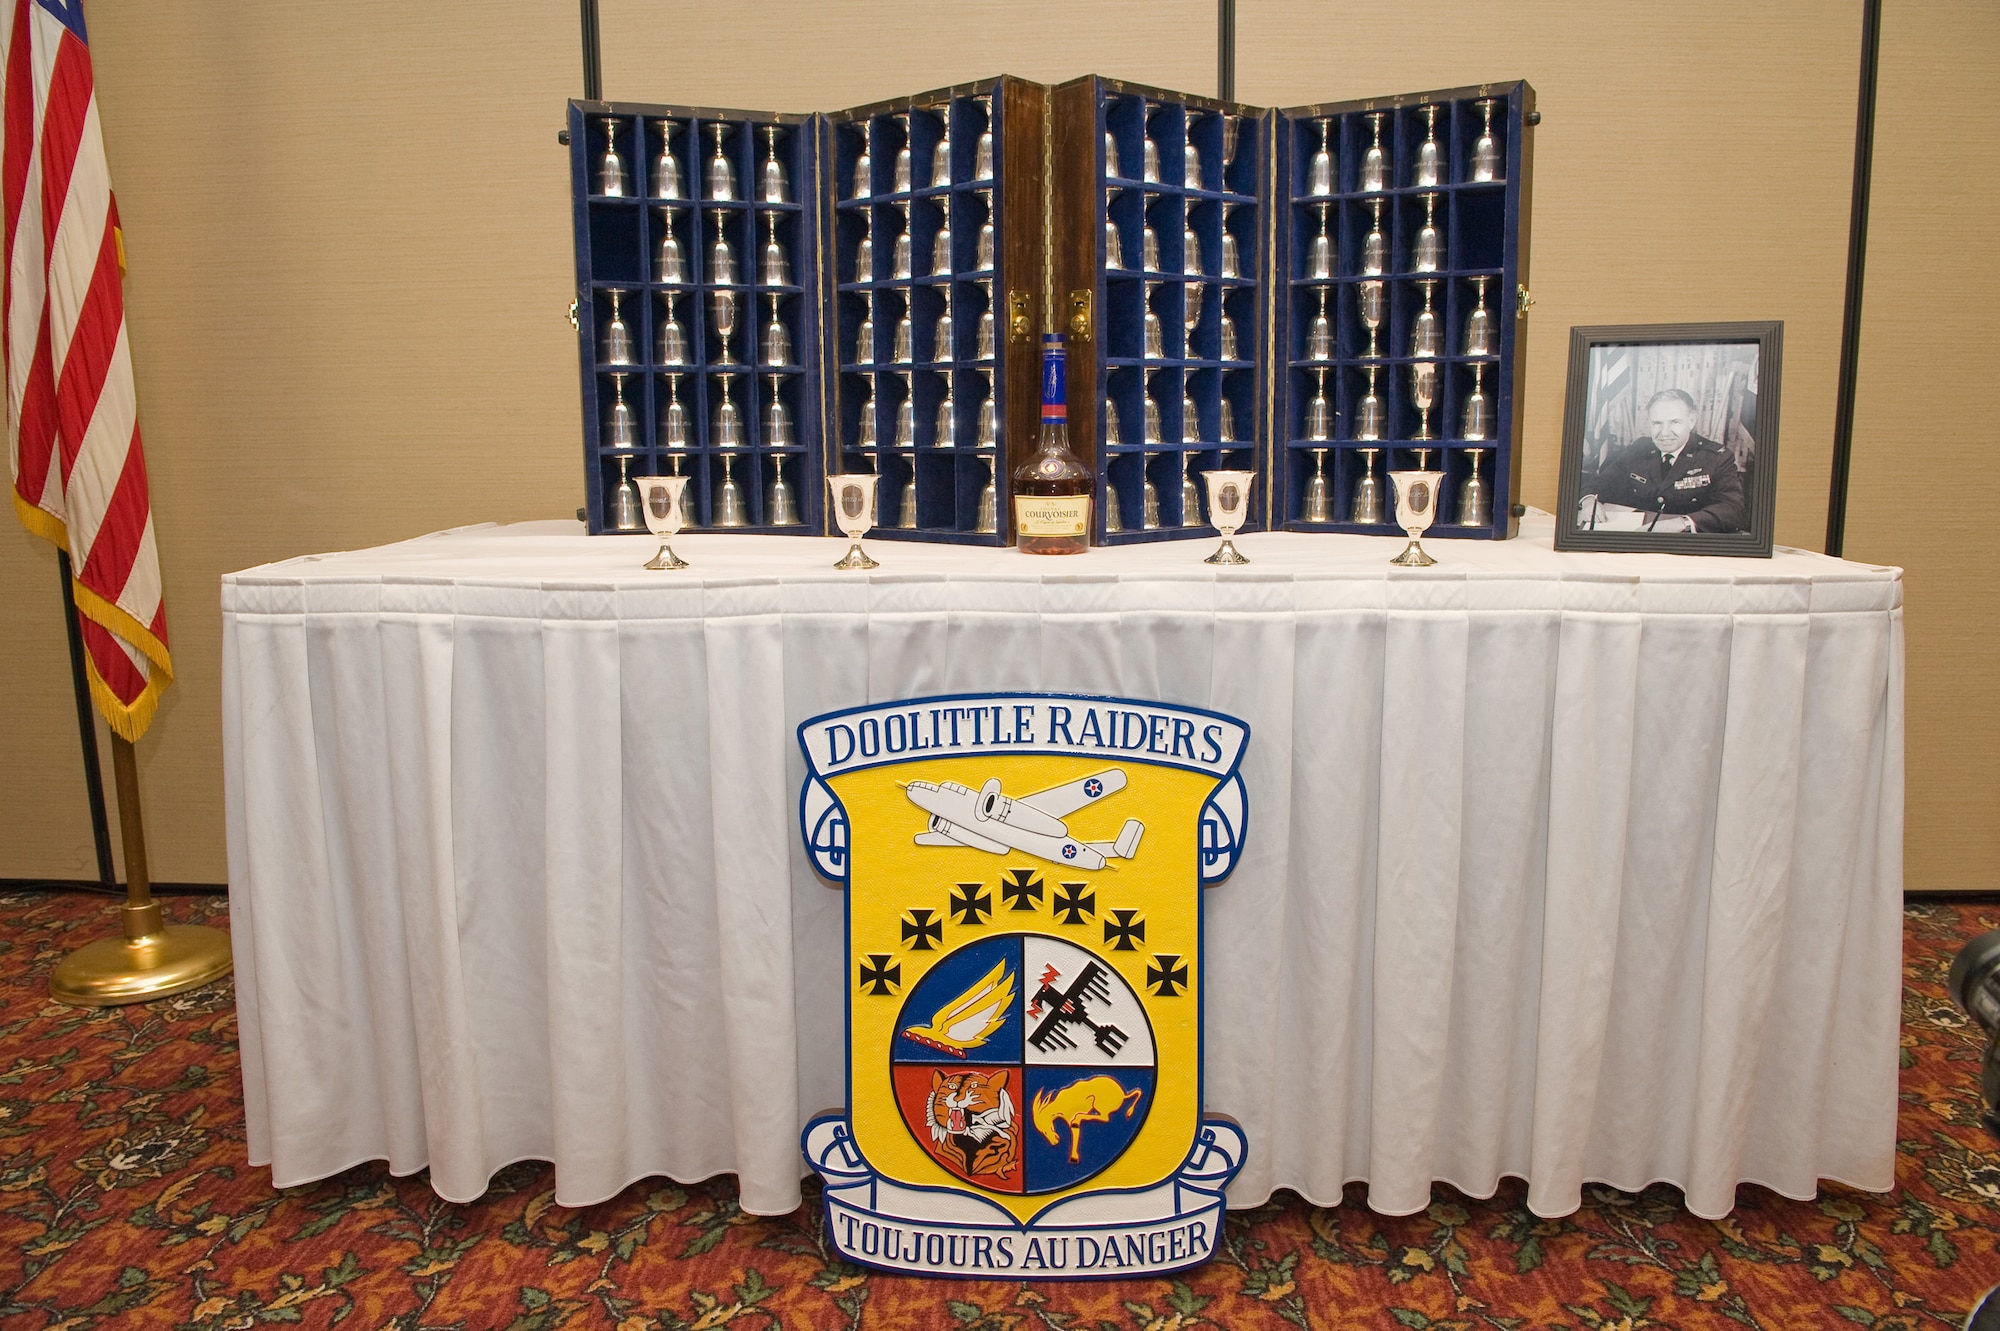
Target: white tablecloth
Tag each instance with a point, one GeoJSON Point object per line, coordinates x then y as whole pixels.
{"type": "Point", "coordinates": [1570, 867]}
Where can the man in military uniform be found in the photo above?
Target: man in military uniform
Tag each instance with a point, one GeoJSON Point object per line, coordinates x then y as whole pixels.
{"type": "Point", "coordinates": [1674, 480]}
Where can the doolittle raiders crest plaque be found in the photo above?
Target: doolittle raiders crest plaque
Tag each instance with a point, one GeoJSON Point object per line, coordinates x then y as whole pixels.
{"type": "Point", "coordinates": [1024, 981]}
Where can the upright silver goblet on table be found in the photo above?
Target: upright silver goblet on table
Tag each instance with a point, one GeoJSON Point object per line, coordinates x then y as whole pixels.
{"type": "Point", "coordinates": [660, 499]}
{"type": "Point", "coordinates": [1228, 507]}
{"type": "Point", "coordinates": [1416, 509]}
{"type": "Point", "coordinates": [853, 501]}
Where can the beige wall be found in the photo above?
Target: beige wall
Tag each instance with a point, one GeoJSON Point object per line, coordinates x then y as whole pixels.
{"type": "Point", "coordinates": [350, 266]}
{"type": "Point", "coordinates": [1924, 443]}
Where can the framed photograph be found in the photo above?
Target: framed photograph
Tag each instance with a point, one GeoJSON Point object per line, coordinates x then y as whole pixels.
{"type": "Point", "coordinates": [1670, 438]}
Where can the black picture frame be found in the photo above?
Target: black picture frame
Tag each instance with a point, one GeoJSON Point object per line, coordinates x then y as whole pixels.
{"type": "Point", "coordinates": [1727, 374]}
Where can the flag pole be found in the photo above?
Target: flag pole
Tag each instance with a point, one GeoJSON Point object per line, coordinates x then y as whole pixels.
{"type": "Point", "coordinates": [154, 958]}
{"type": "Point", "coordinates": [93, 771]}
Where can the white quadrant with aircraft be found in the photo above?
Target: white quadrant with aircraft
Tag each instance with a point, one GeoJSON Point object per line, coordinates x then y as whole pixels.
{"type": "Point", "coordinates": [987, 820]}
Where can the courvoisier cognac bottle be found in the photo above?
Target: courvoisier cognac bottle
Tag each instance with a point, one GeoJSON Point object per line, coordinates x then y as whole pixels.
{"type": "Point", "coordinates": [1052, 489]}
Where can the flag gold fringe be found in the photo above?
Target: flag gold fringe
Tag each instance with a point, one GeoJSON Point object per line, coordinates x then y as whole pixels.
{"type": "Point", "coordinates": [127, 722]}
{"type": "Point", "coordinates": [124, 625]}
{"type": "Point", "coordinates": [41, 522]}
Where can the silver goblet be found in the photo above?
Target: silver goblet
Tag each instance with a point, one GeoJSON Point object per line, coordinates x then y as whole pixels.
{"type": "Point", "coordinates": [620, 431]}
{"type": "Point", "coordinates": [943, 332]}
{"type": "Point", "coordinates": [616, 346]}
{"type": "Point", "coordinates": [667, 167]}
{"type": "Point", "coordinates": [864, 339]}
{"type": "Point", "coordinates": [673, 334]}
{"type": "Point", "coordinates": [987, 433]}
{"type": "Point", "coordinates": [1429, 165]}
{"type": "Point", "coordinates": [982, 348]}
{"type": "Point", "coordinates": [777, 269]}
{"type": "Point", "coordinates": [1427, 255]}
{"type": "Point", "coordinates": [988, 518]}
{"type": "Point", "coordinates": [1232, 263]}
{"type": "Point", "coordinates": [777, 338]}
{"type": "Point", "coordinates": [1190, 423]}
{"type": "Point", "coordinates": [1319, 259]}
{"type": "Point", "coordinates": [1371, 305]}
{"type": "Point", "coordinates": [1374, 165]}
{"type": "Point", "coordinates": [941, 246]}
{"type": "Point", "coordinates": [870, 437]}
{"type": "Point", "coordinates": [721, 174]}
{"type": "Point", "coordinates": [853, 498]}
{"type": "Point", "coordinates": [1369, 413]}
{"type": "Point", "coordinates": [902, 263]}
{"type": "Point", "coordinates": [1191, 251]}
{"type": "Point", "coordinates": [1114, 244]}
{"type": "Point", "coordinates": [622, 512]}
{"type": "Point", "coordinates": [1478, 419]}
{"type": "Point", "coordinates": [945, 435]}
{"type": "Point", "coordinates": [729, 507]}
{"type": "Point", "coordinates": [1479, 325]}
{"type": "Point", "coordinates": [777, 418]}
{"type": "Point", "coordinates": [908, 519]}
{"type": "Point", "coordinates": [1228, 507]}
{"type": "Point", "coordinates": [1151, 429]}
{"type": "Point", "coordinates": [1475, 500]}
{"type": "Point", "coordinates": [982, 156]}
{"type": "Point", "coordinates": [904, 161]}
{"type": "Point", "coordinates": [660, 501]}
{"type": "Point", "coordinates": [782, 507]}
{"type": "Point", "coordinates": [1319, 412]}
{"type": "Point", "coordinates": [673, 416]}
{"type": "Point", "coordinates": [941, 155]}
{"type": "Point", "coordinates": [1150, 162]}
{"type": "Point", "coordinates": [1190, 160]}
{"type": "Point", "coordinates": [1366, 505]}
{"type": "Point", "coordinates": [612, 180]}
{"type": "Point", "coordinates": [864, 168]}
{"type": "Point", "coordinates": [721, 255]}
{"type": "Point", "coordinates": [1423, 395]}
{"type": "Point", "coordinates": [776, 188]}
{"type": "Point", "coordinates": [1424, 332]}
{"type": "Point", "coordinates": [906, 416]}
{"type": "Point", "coordinates": [1485, 153]}
{"type": "Point", "coordinates": [1155, 343]}
{"type": "Point", "coordinates": [982, 256]}
{"type": "Point", "coordinates": [669, 261]}
{"type": "Point", "coordinates": [1416, 509]}
{"type": "Point", "coordinates": [723, 310]}
{"type": "Point", "coordinates": [1190, 496]}
{"type": "Point", "coordinates": [727, 427]}
{"type": "Point", "coordinates": [904, 350]}
{"type": "Point", "coordinates": [1319, 175]}
{"type": "Point", "coordinates": [1317, 502]}
{"type": "Point", "coordinates": [1319, 335]}
{"type": "Point", "coordinates": [864, 249]}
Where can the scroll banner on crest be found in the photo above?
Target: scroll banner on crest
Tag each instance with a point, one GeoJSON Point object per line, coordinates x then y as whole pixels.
{"type": "Point", "coordinates": [1024, 981]}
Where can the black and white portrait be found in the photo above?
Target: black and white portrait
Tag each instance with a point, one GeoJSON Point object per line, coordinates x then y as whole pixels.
{"type": "Point", "coordinates": [1668, 440]}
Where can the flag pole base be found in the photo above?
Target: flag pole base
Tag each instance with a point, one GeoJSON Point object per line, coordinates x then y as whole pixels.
{"type": "Point", "coordinates": [153, 960]}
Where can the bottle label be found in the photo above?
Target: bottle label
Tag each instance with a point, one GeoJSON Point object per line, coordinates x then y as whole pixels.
{"type": "Point", "coordinates": [1036, 515]}
{"type": "Point", "coordinates": [1054, 379]}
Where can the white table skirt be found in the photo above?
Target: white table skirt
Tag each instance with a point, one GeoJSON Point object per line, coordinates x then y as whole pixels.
{"type": "Point", "coordinates": [1569, 867]}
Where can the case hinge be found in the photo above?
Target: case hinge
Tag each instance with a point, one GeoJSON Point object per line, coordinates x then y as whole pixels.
{"type": "Point", "coordinates": [1079, 315]}
{"type": "Point", "coordinates": [1020, 320]}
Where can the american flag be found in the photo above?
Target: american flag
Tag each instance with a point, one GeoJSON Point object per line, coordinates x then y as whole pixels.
{"type": "Point", "coordinates": [72, 415]}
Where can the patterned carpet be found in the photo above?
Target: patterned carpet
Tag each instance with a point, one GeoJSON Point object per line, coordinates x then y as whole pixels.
{"type": "Point", "coordinates": [125, 1202]}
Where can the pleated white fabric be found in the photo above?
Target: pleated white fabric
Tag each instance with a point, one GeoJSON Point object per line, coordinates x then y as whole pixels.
{"type": "Point", "coordinates": [1569, 867]}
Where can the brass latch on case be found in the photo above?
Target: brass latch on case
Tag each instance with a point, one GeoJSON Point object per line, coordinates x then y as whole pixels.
{"type": "Point", "coordinates": [1522, 301]}
{"type": "Point", "coordinates": [572, 315]}
{"type": "Point", "coordinates": [1079, 315]}
{"type": "Point", "coordinates": [1020, 319]}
